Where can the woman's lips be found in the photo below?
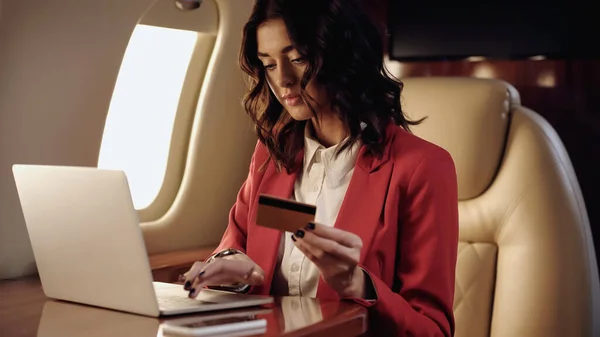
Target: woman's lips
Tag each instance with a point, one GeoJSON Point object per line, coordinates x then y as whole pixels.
{"type": "Point", "coordinates": [293, 100]}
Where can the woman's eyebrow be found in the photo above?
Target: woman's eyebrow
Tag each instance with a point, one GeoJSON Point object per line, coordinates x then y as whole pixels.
{"type": "Point", "coordinates": [283, 51]}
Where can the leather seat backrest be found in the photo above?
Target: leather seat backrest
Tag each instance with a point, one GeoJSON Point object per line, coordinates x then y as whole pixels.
{"type": "Point", "coordinates": [526, 262]}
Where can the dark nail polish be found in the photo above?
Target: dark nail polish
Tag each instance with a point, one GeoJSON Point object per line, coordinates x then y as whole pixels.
{"type": "Point", "coordinates": [187, 285]}
{"type": "Point", "coordinates": [300, 233]}
{"type": "Point", "coordinates": [293, 238]}
{"type": "Point", "coordinates": [310, 226]}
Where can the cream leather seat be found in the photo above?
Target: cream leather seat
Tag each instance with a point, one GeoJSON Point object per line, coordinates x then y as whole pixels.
{"type": "Point", "coordinates": [526, 261]}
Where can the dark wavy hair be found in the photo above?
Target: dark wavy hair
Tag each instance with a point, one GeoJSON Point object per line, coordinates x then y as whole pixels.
{"type": "Point", "coordinates": [344, 54]}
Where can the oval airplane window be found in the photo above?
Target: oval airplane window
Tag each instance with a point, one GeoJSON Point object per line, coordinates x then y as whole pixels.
{"type": "Point", "coordinates": [149, 119]}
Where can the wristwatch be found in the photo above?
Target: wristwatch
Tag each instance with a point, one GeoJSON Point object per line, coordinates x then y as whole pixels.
{"type": "Point", "coordinates": [238, 287]}
{"type": "Point", "coordinates": [223, 253]}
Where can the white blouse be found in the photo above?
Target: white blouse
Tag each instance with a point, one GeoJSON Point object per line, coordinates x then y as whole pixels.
{"type": "Point", "coordinates": [323, 182]}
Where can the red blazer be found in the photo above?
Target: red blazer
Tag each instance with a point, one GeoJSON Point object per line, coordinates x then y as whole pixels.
{"type": "Point", "coordinates": [404, 206]}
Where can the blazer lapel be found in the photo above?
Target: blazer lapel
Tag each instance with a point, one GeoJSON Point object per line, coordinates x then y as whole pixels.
{"type": "Point", "coordinates": [278, 184]}
{"type": "Point", "coordinates": [363, 203]}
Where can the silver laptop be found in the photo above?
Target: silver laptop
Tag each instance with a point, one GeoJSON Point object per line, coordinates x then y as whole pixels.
{"type": "Point", "coordinates": [89, 248]}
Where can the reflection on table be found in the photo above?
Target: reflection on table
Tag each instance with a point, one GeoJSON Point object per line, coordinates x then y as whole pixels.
{"type": "Point", "coordinates": [23, 305]}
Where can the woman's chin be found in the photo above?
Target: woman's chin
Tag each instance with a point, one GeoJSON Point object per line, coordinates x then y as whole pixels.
{"type": "Point", "coordinates": [299, 113]}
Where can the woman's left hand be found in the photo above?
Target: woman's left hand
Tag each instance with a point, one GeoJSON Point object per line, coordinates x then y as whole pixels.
{"type": "Point", "coordinates": [336, 253]}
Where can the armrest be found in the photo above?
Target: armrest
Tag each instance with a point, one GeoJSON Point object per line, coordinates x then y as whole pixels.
{"type": "Point", "coordinates": [167, 267]}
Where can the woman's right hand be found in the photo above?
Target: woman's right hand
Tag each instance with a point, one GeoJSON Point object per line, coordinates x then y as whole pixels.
{"type": "Point", "coordinates": [222, 271]}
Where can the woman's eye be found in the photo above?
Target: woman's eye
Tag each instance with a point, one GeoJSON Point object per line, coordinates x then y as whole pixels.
{"type": "Point", "coordinates": [270, 66]}
{"type": "Point", "coordinates": [299, 60]}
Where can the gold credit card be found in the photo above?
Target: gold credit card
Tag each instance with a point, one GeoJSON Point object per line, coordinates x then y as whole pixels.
{"type": "Point", "coordinates": [283, 214]}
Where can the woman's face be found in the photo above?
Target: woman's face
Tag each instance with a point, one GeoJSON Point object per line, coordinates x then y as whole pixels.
{"type": "Point", "coordinates": [284, 68]}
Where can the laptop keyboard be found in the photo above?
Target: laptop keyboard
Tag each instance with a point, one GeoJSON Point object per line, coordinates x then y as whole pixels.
{"type": "Point", "coordinates": [174, 297]}
{"type": "Point", "coordinates": [174, 302]}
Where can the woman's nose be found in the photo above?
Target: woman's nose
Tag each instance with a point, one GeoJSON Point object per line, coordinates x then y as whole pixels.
{"type": "Point", "coordinates": [286, 77]}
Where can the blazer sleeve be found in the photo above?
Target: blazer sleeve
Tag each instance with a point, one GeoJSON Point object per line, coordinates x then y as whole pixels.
{"type": "Point", "coordinates": [237, 228]}
{"type": "Point", "coordinates": [427, 252]}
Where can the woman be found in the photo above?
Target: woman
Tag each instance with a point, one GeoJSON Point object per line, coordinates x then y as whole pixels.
{"type": "Point", "coordinates": [332, 133]}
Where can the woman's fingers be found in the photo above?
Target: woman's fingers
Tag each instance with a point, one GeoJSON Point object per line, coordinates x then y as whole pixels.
{"type": "Point", "coordinates": [318, 254]}
{"type": "Point", "coordinates": [340, 236]}
{"type": "Point", "coordinates": [331, 247]}
{"type": "Point", "coordinates": [319, 245]}
{"type": "Point", "coordinates": [192, 274]}
{"type": "Point", "coordinates": [312, 253]}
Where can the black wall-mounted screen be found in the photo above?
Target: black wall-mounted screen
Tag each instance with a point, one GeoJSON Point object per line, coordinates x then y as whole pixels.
{"type": "Point", "coordinates": [443, 30]}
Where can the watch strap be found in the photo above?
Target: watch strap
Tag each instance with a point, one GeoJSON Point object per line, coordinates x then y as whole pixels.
{"type": "Point", "coordinates": [223, 253]}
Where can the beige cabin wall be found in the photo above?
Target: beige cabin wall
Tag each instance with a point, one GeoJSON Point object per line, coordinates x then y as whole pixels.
{"type": "Point", "coordinates": [59, 60]}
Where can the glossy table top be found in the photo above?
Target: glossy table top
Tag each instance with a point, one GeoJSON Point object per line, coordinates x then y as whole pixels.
{"type": "Point", "coordinates": [25, 311]}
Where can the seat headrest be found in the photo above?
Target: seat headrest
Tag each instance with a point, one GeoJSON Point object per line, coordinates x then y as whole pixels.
{"type": "Point", "coordinates": [466, 116]}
